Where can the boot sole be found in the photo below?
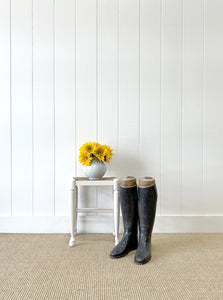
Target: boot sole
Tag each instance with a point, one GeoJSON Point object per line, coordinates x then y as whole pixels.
{"type": "Point", "coordinates": [122, 255]}
{"type": "Point", "coordinates": [119, 256]}
{"type": "Point", "coordinates": [143, 262]}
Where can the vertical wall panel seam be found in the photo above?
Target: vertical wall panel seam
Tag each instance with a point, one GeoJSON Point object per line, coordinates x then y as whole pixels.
{"type": "Point", "coordinates": [97, 114]}
{"type": "Point", "coordinates": [139, 82]}
{"type": "Point", "coordinates": [32, 125]}
{"type": "Point", "coordinates": [118, 78]}
{"type": "Point", "coordinates": [161, 101]}
{"type": "Point", "coordinates": [203, 109]}
{"type": "Point", "coordinates": [182, 99]}
{"type": "Point", "coordinates": [11, 101]}
{"type": "Point", "coordinates": [54, 110]}
{"type": "Point", "coordinates": [75, 92]}
{"type": "Point", "coordinates": [97, 83]}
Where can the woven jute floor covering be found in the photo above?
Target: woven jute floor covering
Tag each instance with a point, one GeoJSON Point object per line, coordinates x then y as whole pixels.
{"type": "Point", "coordinates": [42, 266]}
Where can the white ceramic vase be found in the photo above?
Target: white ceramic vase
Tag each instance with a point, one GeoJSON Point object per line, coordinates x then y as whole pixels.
{"type": "Point", "coordinates": [96, 170]}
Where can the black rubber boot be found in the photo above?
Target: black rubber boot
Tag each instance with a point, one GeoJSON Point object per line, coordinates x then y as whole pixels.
{"type": "Point", "coordinates": [128, 200]}
{"type": "Point", "coordinates": [147, 199]}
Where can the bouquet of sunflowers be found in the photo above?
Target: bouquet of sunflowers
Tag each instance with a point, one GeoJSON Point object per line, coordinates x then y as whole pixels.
{"type": "Point", "coordinates": [91, 150]}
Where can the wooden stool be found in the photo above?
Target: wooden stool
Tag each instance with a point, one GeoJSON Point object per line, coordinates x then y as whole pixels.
{"type": "Point", "coordinates": [82, 181]}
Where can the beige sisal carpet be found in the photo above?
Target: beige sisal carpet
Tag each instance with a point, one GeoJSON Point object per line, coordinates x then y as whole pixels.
{"type": "Point", "coordinates": [42, 266]}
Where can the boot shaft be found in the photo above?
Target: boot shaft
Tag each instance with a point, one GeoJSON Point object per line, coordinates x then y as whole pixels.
{"type": "Point", "coordinates": [147, 200]}
{"type": "Point", "coordinates": [128, 200]}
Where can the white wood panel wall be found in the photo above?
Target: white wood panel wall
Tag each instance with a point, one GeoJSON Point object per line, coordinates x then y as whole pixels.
{"type": "Point", "coordinates": [64, 100]}
{"type": "Point", "coordinates": [143, 76]}
{"type": "Point", "coordinates": [5, 110]}
{"type": "Point", "coordinates": [21, 106]}
{"type": "Point", "coordinates": [43, 107]}
{"type": "Point", "coordinates": [192, 107]}
{"type": "Point", "coordinates": [213, 123]}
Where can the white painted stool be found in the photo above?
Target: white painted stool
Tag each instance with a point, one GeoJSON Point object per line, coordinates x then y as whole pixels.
{"type": "Point", "coordinates": [82, 181]}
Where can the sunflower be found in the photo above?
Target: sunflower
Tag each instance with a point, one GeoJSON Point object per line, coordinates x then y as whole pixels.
{"type": "Point", "coordinates": [99, 152]}
{"type": "Point", "coordinates": [88, 147]}
{"type": "Point", "coordinates": [90, 150]}
{"type": "Point", "coordinates": [107, 158]}
{"type": "Point", "coordinates": [108, 153]}
{"type": "Point", "coordinates": [85, 158]}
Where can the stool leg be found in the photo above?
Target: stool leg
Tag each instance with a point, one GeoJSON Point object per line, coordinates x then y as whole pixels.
{"type": "Point", "coordinates": [73, 216]}
{"type": "Point", "coordinates": [116, 210]}
{"type": "Point", "coordinates": [75, 210]}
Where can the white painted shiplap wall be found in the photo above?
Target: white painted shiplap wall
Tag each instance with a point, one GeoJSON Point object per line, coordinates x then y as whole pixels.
{"type": "Point", "coordinates": [143, 76]}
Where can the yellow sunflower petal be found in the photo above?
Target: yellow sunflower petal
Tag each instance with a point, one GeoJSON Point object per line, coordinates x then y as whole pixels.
{"type": "Point", "coordinates": [85, 158]}
{"type": "Point", "coordinates": [88, 147]}
{"type": "Point", "coordinates": [99, 151]}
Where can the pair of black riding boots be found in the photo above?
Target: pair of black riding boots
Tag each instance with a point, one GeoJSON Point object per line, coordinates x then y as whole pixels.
{"type": "Point", "coordinates": [138, 208]}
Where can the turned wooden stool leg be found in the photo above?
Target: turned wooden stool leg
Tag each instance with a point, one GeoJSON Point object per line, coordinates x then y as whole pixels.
{"type": "Point", "coordinates": [75, 210]}
{"type": "Point", "coordinates": [73, 214]}
{"type": "Point", "coordinates": [116, 210]}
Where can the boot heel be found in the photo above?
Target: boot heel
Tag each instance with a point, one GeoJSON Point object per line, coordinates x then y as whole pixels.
{"type": "Point", "coordinates": [134, 245]}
